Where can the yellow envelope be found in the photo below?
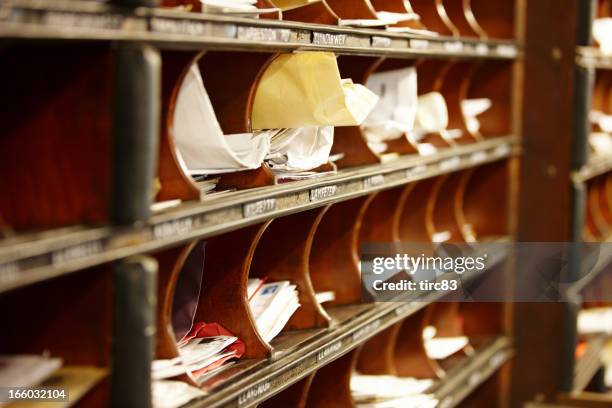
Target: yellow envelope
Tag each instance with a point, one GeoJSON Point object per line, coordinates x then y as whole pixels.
{"type": "Point", "coordinates": [305, 89]}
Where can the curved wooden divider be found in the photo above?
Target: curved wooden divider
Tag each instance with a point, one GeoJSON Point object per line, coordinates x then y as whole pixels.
{"type": "Point", "coordinates": [230, 79]}
{"type": "Point", "coordinates": [353, 10]}
{"type": "Point", "coordinates": [295, 396]}
{"type": "Point", "coordinates": [398, 6]}
{"type": "Point", "coordinates": [62, 175]}
{"type": "Point", "coordinates": [432, 12]}
{"type": "Point", "coordinates": [492, 19]}
{"type": "Point", "coordinates": [457, 14]}
{"type": "Point", "coordinates": [430, 74]}
{"type": "Point", "coordinates": [454, 85]}
{"type": "Point", "coordinates": [594, 193]}
{"type": "Point", "coordinates": [349, 140]}
{"type": "Point", "coordinates": [482, 202]}
{"type": "Point", "coordinates": [331, 385]}
{"type": "Point", "coordinates": [334, 256]}
{"type": "Point", "coordinates": [283, 253]}
{"type": "Point", "coordinates": [317, 12]}
{"type": "Point", "coordinates": [223, 298]}
{"type": "Point", "coordinates": [411, 218]}
{"type": "Point", "coordinates": [493, 80]}
{"type": "Point", "coordinates": [440, 220]}
{"type": "Point", "coordinates": [400, 351]}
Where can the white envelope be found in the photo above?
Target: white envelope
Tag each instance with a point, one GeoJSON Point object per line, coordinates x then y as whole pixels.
{"type": "Point", "coordinates": [199, 138]}
{"type": "Point", "coordinates": [302, 149]}
{"type": "Point", "coordinates": [432, 113]}
{"type": "Point", "coordinates": [394, 114]}
{"type": "Point", "coordinates": [602, 32]}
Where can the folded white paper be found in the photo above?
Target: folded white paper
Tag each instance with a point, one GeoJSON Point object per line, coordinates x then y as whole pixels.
{"type": "Point", "coordinates": [601, 143]}
{"type": "Point", "coordinates": [243, 8]}
{"type": "Point", "coordinates": [432, 113]}
{"type": "Point", "coordinates": [603, 120]}
{"type": "Point", "coordinates": [200, 140]}
{"type": "Point", "coordinates": [394, 114]}
{"type": "Point", "coordinates": [596, 320]}
{"type": "Point", "coordinates": [602, 32]}
{"type": "Point", "coordinates": [173, 394]}
{"type": "Point", "coordinates": [440, 348]}
{"type": "Point", "coordinates": [368, 387]}
{"type": "Point", "coordinates": [301, 149]}
{"type": "Point", "coordinates": [272, 306]}
{"type": "Point", "coordinates": [471, 108]}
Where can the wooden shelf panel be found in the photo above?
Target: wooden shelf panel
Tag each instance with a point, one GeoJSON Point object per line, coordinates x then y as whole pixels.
{"type": "Point", "coordinates": [298, 354]}
{"type": "Point", "coordinates": [468, 375]}
{"type": "Point", "coordinates": [74, 20]}
{"type": "Point", "coordinates": [29, 258]}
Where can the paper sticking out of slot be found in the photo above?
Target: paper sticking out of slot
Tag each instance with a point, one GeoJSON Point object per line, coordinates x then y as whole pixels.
{"type": "Point", "coordinates": [601, 119]}
{"type": "Point", "coordinates": [296, 150]}
{"type": "Point", "coordinates": [173, 394]}
{"type": "Point", "coordinates": [601, 143]}
{"type": "Point", "coordinates": [202, 145]}
{"type": "Point", "coordinates": [305, 89]}
{"type": "Point", "coordinates": [431, 114]}
{"type": "Point", "coordinates": [241, 8]}
{"type": "Point", "coordinates": [272, 305]}
{"type": "Point", "coordinates": [410, 30]}
{"type": "Point", "coordinates": [439, 348]}
{"type": "Point", "coordinates": [413, 401]}
{"type": "Point", "coordinates": [395, 113]}
{"type": "Point", "coordinates": [602, 33]}
{"type": "Point", "coordinates": [471, 108]}
{"type": "Point", "coordinates": [377, 387]}
{"type": "Point", "coordinates": [383, 18]}
{"type": "Point", "coordinates": [595, 321]}
{"type": "Point", "coordinates": [26, 370]}
{"type": "Point", "coordinates": [324, 297]}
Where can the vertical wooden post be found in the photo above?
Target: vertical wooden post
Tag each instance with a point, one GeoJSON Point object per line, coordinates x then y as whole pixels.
{"type": "Point", "coordinates": [545, 201]}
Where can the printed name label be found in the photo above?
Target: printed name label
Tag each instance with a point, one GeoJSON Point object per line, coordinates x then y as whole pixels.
{"type": "Point", "coordinates": [329, 351]}
{"type": "Point", "coordinates": [99, 21]}
{"type": "Point", "coordinates": [381, 42]}
{"type": "Point", "coordinates": [264, 34]}
{"type": "Point", "coordinates": [76, 252]}
{"type": "Point", "coordinates": [259, 207]}
{"type": "Point", "coordinates": [172, 228]}
{"type": "Point", "coordinates": [506, 50]}
{"type": "Point", "coordinates": [502, 150]}
{"type": "Point", "coordinates": [367, 329]}
{"type": "Point", "coordinates": [171, 26]}
{"type": "Point", "coordinates": [478, 157]}
{"type": "Point", "coordinates": [321, 193]}
{"type": "Point", "coordinates": [449, 164]}
{"type": "Point", "coordinates": [482, 49]}
{"type": "Point", "coordinates": [497, 360]}
{"type": "Point", "coordinates": [475, 378]}
{"type": "Point", "coordinates": [419, 44]}
{"type": "Point", "coordinates": [453, 46]}
{"type": "Point", "coordinates": [416, 170]}
{"type": "Point", "coordinates": [329, 39]}
{"type": "Point", "coordinates": [9, 271]}
{"type": "Point", "coordinates": [373, 181]}
{"type": "Point", "coordinates": [253, 393]}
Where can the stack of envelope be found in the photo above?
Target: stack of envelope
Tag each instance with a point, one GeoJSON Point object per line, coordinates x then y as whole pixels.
{"type": "Point", "coordinates": [272, 305]}
{"type": "Point", "coordinates": [386, 391]}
